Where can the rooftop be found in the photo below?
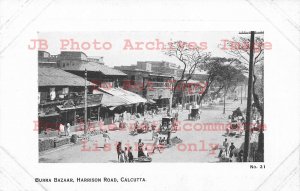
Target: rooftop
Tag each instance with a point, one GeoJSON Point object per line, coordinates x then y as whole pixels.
{"type": "Point", "coordinates": [49, 76]}
{"type": "Point", "coordinates": [96, 67]}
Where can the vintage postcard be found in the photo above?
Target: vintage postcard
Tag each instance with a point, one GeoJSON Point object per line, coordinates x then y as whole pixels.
{"type": "Point", "coordinates": [167, 97]}
{"type": "Point", "coordinates": [149, 95]}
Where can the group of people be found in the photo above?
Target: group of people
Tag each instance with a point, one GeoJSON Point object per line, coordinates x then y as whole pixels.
{"type": "Point", "coordinates": [65, 129]}
{"type": "Point", "coordinates": [230, 152]}
{"type": "Point", "coordinates": [142, 151]}
{"type": "Point", "coordinates": [144, 126]}
{"type": "Point", "coordinates": [124, 156]}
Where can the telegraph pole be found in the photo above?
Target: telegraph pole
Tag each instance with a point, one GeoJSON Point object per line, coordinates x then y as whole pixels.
{"type": "Point", "coordinates": [224, 102]}
{"type": "Point", "coordinates": [242, 94]}
{"type": "Point", "coordinates": [85, 102]}
{"type": "Point", "coordinates": [249, 98]}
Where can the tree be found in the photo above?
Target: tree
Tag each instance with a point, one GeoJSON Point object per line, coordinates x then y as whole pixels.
{"type": "Point", "coordinates": [216, 68]}
{"type": "Point", "coordinates": [230, 78]}
{"type": "Point", "coordinates": [240, 49]}
{"type": "Point", "coordinates": [190, 56]}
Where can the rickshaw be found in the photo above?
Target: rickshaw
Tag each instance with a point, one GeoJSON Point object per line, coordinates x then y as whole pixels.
{"type": "Point", "coordinates": [195, 114]}
{"type": "Point", "coordinates": [166, 125]}
{"type": "Point", "coordinates": [236, 125]}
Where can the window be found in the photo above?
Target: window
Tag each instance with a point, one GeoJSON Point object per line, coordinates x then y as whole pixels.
{"type": "Point", "coordinates": [132, 79]}
{"type": "Point", "coordinates": [65, 91]}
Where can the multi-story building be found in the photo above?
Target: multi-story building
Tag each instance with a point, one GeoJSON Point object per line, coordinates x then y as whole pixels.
{"type": "Point", "coordinates": [160, 67]}
{"type": "Point", "coordinates": [147, 80]}
{"type": "Point", "coordinates": [77, 62]}
{"type": "Point", "coordinates": [46, 59]}
{"type": "Point", "coordinates": [106, 81]}
{"type": "Point", "coordinates": [60, 98]}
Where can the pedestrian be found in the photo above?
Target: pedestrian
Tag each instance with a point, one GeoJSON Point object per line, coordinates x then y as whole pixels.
{"type": "Point", "coordinates": [176, 116]}
{"type": "Point", "coordinates": [225, 145]}
{"type": "Point", "coordinates": [156, 144]}
{"type": "Point", "coordinates": [146, 152]}
{"type": "Point", "coordinates": [66, 129]}
{"type": "Point", "coordinates": [235, 156]}
{"type": "Point", "coordinates": [140, 148]}
{"type": "Point", "coordinates": [119, 149]}
{"type": "Point", "coordinates": [126, 154]}
{"type": "Point", "coordinates": [154, 134]}
{"type": "Point", "coordinates": [106, 137]}
{"type": "Point", "coordinates": [240, 155]}
{"type": "Point", "coordinates": [130, 155]}
{"type": "Point", "coordinates": [220, 153]}
{"type": "Point", "coordinates": [231, 148]}
{"type": "Point", "coordinates": [61, 128]}
{"type": "Point", "coordinates": [122, 157]}
{"type": "Point", "coordinates": [121, 117]}
{"type": "Point", "coordinates": [145, 125]}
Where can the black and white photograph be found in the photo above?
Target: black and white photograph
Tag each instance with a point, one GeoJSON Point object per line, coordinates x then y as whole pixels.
{"type": "Point", "coordinates": [149, 95]}
{"type": "Point", "coordinates": [177, 97]}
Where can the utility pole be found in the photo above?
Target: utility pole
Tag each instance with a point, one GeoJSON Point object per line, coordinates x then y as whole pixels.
{"type": "Point", "coordinates": [242, 94]}
{"type": "Point", "coordinates": [85, 102]}
{"type": "Point", "coordinates": [249, 99]}
{"type": "Point", "coordinates": [171, 99]}
{"type": "Point", "coordinates": [224, 102]}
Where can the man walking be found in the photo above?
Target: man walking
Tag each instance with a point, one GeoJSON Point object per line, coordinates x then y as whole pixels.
{"type": "Point", "coordinates": [231, 149]}
{"type": "Point", "coordinates": [130, 155]}
{"type": "Point", "coordinates": [106, 138]}
{"type": "Point", "coordinates": [225, 145]}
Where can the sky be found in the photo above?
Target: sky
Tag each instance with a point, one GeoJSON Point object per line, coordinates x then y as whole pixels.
{"type": "Point", "coordinates": [114, 44]}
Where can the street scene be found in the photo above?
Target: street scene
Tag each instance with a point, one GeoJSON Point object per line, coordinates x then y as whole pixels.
{"type": "Point", "coordinates": [188, 102]}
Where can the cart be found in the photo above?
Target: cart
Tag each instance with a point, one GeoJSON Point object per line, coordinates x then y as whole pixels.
{"type": "Point", "coordinates": [166, 125]}
{"type": "Point", "coordinates": [143, 159]}
{"type": "Point", "coordinates": [236, 126]}
{"type": "Point", "coordinates": [195, 114]}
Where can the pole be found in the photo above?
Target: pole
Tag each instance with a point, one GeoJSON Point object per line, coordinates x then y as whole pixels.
{"type": "Point", "coordinates": [224, 103]}
{"type": "Point", "coordinates": [171, 100]}
{"type": "Point", "coordinates": [85, 102]}
{"type": "Point", "coordinates": [249, 100]}
{"type": "Point", "coordinates": [98, 113]}
{"type": "Point", "coordinates": [242, 94]}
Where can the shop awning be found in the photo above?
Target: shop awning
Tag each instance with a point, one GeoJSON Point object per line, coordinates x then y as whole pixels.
{"type": "Point", "coordinates": [93, 100]}
{"type": "Point", "coordinates": [48, 115]}
{"type": "Point", "coordinates": [151, 101]}
{"type": "Point", "coordinates": [127, 96]}
{"type": "Point", "coordinates": [109, 100]}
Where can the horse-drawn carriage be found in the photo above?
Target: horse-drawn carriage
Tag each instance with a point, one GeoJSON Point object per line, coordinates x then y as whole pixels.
{"type": "Point", "coordinates": [195, 114]}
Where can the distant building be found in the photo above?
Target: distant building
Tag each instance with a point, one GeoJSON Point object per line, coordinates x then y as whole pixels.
{"type": "Point", "coordinates": [162, 67]}
{"type": "Point", "coordinates": [46, 59]}
{"type": "Point", "coordinates": [77, 62]}
{"type": "Point", "coordinates": [146, 80]}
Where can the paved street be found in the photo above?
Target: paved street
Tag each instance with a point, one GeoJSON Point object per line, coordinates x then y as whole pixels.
{"type": "Point", "coordinates": [196, 146]}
